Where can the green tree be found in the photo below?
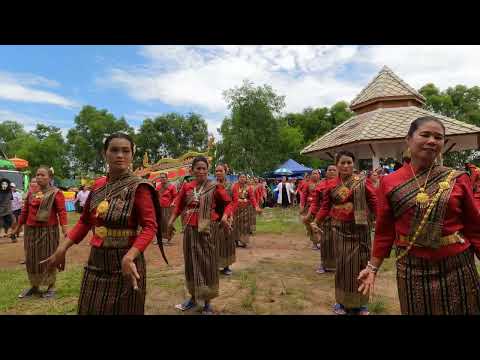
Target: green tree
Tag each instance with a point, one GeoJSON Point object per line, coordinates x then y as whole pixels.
{"type": "Point", "coordinates": [311, 124]}
{"type": "Point", "coordinates": [461, 103]}
{"type": "Point", "coordinates": [86, 139]}
{"type": "Point", "coordinates": [250, 135]}
{"type": "Point", "coordinates": [43, 146]}
{"type": "Point", "coordinates": [172, 135]}
{"type": "Point", "coordinates": [339, 113]}
{"type": "Point", "coordinates": [10, 131]}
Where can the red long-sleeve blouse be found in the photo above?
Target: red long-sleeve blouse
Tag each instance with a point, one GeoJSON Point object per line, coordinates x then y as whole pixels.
{"type": "Point", "coordinates": [475, 180]}
{"type": "Point", "coordinates": [461, 215]}
{"type": "Point", "coordinates": [317, 197]}
{"type": "Point", "coordinates": [237, 202]}
{"type": "Point", "coordinates": [30, 208]}
{"type": "Point", "coordinates": [259, 193]}
{"type": "Point", "coordinates": [143, 214]}
{"type": "Point", "coordinates": [220, 195]}
{"type": "Point", "coordinates": [307, 195]}
{"type": "Point", "coordinates": [167, 196]}
{"type": "Point", "coordinates": [300, 189]}
{"type": "Point", "coordinates": [343, 214]}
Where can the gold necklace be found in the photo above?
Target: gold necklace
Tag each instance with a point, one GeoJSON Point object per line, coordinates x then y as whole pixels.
{"type": "Point", "coordinates": [422, 197]}
{"type": "Point", "coordinates": [196, 194]}
{"type": "Point", "coordinates": [344, 191]}
{"type": "Point", "coordinates": [102, 208]}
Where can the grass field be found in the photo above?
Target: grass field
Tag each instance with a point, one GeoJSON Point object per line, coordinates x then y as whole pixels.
{"type": "Point", "coordinates": [275, 276]}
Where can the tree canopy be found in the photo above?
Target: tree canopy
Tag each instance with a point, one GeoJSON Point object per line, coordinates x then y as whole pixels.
{"type": "Point", "coordinates": [256, 135]}
{"type": "Point", "coordinates": [172, 135]}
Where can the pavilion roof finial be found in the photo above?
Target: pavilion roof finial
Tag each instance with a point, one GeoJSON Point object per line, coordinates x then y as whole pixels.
{"type": "Point", "coordinates": [386, 84]}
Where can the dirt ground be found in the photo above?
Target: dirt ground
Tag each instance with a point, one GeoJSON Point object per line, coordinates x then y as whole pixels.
{"type": "Point", "coordinates": [275, 275]}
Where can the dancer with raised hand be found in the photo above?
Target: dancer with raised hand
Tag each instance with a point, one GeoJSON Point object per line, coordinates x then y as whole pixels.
{"type": "Point", "coordinates": [348, 199]}
{"type": "Point", "coordinates": [428, 212]}
{"type": "Point", "coordinates": [123, 212]}
{"type": "Point", "coordinates": [42, 212]}
{"type": "Point", "coordinates": [200, 200]}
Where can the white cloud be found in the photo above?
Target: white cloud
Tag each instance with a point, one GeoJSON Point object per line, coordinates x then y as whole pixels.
{"type": "Point", "coordinates": [27, 121]}
{"type": "Point", "coordinates": [141, 115]}
{"type": "Point", "coordinates": [18, 87]}
{"type": "Point", "coordinates": [309, 76]}
{"type": "Point", "coordinates": [443, 65]}
{"type": "Point", "coordinates": [197, 75]}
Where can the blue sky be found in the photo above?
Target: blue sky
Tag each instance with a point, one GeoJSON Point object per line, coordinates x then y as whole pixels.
{"type": "Point", "coordinates": [50, 84]}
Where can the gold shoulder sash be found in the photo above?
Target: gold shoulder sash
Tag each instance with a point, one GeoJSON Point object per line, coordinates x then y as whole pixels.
{"type": "Point", "coordinates": [403, 196]}
{"type": "Point", "coordinates": [427, 224]}
{"type": "Point", "coordinates": [43, 212]}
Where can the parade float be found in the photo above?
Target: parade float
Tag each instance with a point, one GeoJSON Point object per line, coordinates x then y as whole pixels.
{"type": "Point", "coordinates": [175, 168]}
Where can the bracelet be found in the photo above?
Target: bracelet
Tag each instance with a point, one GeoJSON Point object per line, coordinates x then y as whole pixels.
{"type": "Point", "coordinates": [372, 268]}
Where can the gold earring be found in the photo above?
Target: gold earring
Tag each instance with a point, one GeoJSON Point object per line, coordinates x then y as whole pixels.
{"type": "Point", "coordinates": [408, 153]}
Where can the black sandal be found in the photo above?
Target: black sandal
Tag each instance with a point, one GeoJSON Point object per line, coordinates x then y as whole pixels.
{"type": "Point", "coordinates": [49, 294]}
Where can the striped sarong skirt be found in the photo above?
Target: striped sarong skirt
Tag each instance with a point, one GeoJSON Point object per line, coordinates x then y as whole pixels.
{"type": "Point", "coordinates": [327, 246]}
{"type": "Point", "coordinates": [105, 291]}
{"type": "Point", "coordinates": [225, 245]}
{"type": "Point", "coordinates": [201, 267]}
{"type": "Point", "coordinates": [40, 242]}
{"type": "Point", "coordinates": [311, 235]}
{"type": "Point", "coordinates": [253, 218]}
{"type": "Point", "coordinates": [166, 212]}
{"type": "Point", "coordinates": [449, 286]}
{"type": "Point", "coordinates": [241, 225]}
{"type": "Point", "coordinates": [352, 250]}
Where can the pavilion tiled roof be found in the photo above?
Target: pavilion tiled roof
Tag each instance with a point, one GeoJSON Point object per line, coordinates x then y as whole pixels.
{"type": "Point", "coordinates": [381, 124]}
{"type": "Point", "coordinates": [386, 84]}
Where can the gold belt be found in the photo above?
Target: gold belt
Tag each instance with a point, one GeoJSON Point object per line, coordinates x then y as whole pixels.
{"type": "Point", "coordinates": [444, 240]}
{"type": "Point", "coordinates": [103, 232]}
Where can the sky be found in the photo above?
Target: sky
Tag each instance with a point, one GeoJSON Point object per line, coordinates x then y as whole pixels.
{"type": "Point", "coordinates": [50, 84]}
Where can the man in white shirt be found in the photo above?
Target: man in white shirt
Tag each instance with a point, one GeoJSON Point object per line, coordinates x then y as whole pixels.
{"type": "Point", "coordinates": [285, 192]}
{"type": "Point", "coordinates": [81, 198]}
{"type": "Point", "coordinates": [17, 201]}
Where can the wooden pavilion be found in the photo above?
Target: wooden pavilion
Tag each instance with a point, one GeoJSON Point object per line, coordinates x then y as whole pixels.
{"type": "Point", "coordinates": [384, 110]}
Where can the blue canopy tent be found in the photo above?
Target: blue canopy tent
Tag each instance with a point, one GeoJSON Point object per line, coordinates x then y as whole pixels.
{"type": "Point", "coordinates": [297, 169]}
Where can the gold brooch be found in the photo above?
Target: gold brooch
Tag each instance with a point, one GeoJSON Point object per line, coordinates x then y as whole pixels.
{"type": "Point", "coordinates": [343, 192]}
{"type": "Point", "coordinates": [422, 199]}
{"type": "Point", "coordinates": [102, 208]}
{"type": "Point", "coordinates": [356, 178]}
{"type": "Point", "coordinates": [444, 185]}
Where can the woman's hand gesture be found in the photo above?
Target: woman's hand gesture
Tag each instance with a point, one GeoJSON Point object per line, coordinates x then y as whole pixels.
{"type": "Point", "coordinates": [367, 281]}
{"type": "Point", "coordinates": [226, 223]}
{"type": "Point", "coordinates": [129, 270]}
{"type": "Point", "coordinates": [57, 260]}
